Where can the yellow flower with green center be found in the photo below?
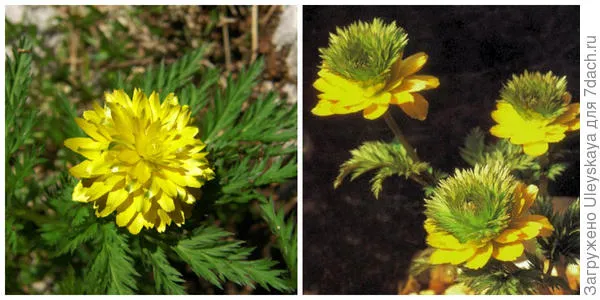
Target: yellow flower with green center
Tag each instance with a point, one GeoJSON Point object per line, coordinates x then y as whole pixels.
{"type": "Point", "coordinates": [142, 160]}
{"type": "Point", "coordinates": [364, 70]}
{"type": "Point", "coordinates": [534, 110]}
{"type": "Point", "coordinates": [480, 214]}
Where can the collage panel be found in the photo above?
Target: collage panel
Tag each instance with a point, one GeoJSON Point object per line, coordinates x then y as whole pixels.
{"type": "Point", "coordinates": [441, 149]}
{"type": "Point", "coordinates": [150, 150]}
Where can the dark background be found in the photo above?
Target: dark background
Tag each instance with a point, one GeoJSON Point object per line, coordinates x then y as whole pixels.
{"type": "Point", "coordinates": [355, 244]}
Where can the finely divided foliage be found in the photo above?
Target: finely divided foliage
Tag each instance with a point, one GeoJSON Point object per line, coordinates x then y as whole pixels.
{"type": "Point", "coordinates": [387, 159]}
{"type": "Point", "coordinates": [248, 140]}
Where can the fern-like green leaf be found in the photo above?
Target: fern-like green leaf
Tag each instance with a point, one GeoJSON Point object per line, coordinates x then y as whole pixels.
{"type": "Point", "coordinates": [499, 278]}
{"type": "Point", "coordinates": [20, 119]}
{"type": "Point", "coordinates": [555, 170]}
{"type": "Point", "coordinates": [216, 260]}
{"type": "Point", "coordinates": [286, 234]}
{"type": "Point", "coordinates": [112, 270]}
{"type": "Point", "coordinates": [167, 79]}
{"type": "Point", "coordinates": [76, 224]}
{"type": "Point", "coordinates": [197, 98]}
{"type": "Point", "coordinates": [227, 105]}
{"type": "Point", "coordinates": [267, 120]}
{"type": "Point", "coordinates": [249, 173]}
{"type": "Point", "coordinates": [564, 240]}
{"type": "Point", "coordinates": [387, 159]}
{"type": "Point", "coordinates": [167, 279]}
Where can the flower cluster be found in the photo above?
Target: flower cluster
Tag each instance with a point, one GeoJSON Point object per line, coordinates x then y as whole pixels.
{"type": "Point", "coordinates": [479, 214]}
{"type": "Point", "coordinates": [142, 159]}
{"type": "Point", "coordinates": [534, 110]}
{"type": "Point", "coordinates": [364, 70]}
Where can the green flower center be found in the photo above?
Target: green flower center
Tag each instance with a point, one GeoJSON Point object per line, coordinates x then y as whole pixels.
{"type": "Point", "coordinates": [473, 205]}
{"type": "Point", "coordinates": [534, 94]}
{"type": "Point", "coordinates": [364, 52]}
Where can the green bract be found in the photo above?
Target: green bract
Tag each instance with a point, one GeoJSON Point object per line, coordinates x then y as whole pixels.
{"type": "Point", "coordinates": [474, 204]}
{"type": "Point", "coordinates": [364, 51]}
{"type": "Point", "coordinates": [535, 92]}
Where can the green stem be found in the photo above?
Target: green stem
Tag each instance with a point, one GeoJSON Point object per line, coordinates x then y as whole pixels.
{"type": "Point", "coordinates": [544, 163]}
{"type": "Point", "coordinates": [419, 180]}
{"type": "Point", "coordinates": [429, 180]}
{"type": "Point", "coordinates": [389, 120]}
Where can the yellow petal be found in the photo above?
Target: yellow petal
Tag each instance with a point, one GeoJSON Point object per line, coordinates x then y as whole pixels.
{"type": "Point", "coordinates": [82, 170]}
{"type": "Point", "coordinates": [79, 194]}
{"type": "Point", "coordinates": [141, 172]}
{"type": "Point", "coordinates": [321, 84]}
{"type": "Point", "coordinates": [91, 129]}
{"type": "Point", "coordinates": [528, 134]}
{"type": "Point", "coordinates": [480, 258]}
{"type": "Point", "coordinates": [416, 109]}
{"type": "Point", "coordinates": [167, 186]}
{"type": "Point", "coordinates": [508, 252]}
{"type": "Point", "coordinates": [154, 104]}
{"type": "Point", "coordinates": [147, 204]}
{"type": "Point", "coordinates": [374, 111]}
{"type": "Point", "coordinates": [123, 217]}
{"type": "Point", "coordinates": [341, 109]}
{"type": "Point", "coordinates": [501, 131]}
{"type": "Point", "coordinates": [524, 198]}
{"type": "Point", "coordinates": [429, 226]}
{"type": "Point", "coordinates": [410, 65]}
{"type": "Point", "coordinates": [164, 220]}
{"type": "Point", "coordinates": [138, 97]}
{"type": "Point", "coordinates": [189, 198]}
{"type": "Point", "coordinates": [136, 224]}
{"type": "Point", "coordinates": [442, 256]}
{"type": "Point", "coordinates": [166, 203]}
{"type": "Point", "coordinates": [128, 156]}
{"type": "Point", "coordinates": [508, 236]}
{"type": "Point", "coordinates": [569, 115]}
{"type": "Point", "coordinates": [96, 115]}
{"type": "Point", "coordinates": [416, 83]}
{"type": "Point", "coordinates": [535, 149]}
{"type": "Point", "coordinates": [381, 98]}
{"type": "Point", "coordinates": [122, 98]}
{"type": "Point", "coordinates": [83, 143]}
{"type": "Point", "coordinates": [169, 116]}
{"type": "Point", "coordinates": [531, 226]}
{"type": "Point", "coordinates": [169, 100]}
{"type": "Point", "coordinates": [98, 189]}
{"type": "Point", "coordinates": [337, 88]}
{"type": "Point", "coordinates": [189, 132]}
{"type": "Point", "coordinates": [444, 240]}
{"type": "Point", "coordinates": [114, 200]}
{"type": "Point", "coordinates": [555, 133]}
{"type": "Point", "coordinates": [573, 125]}
{"type": "Point", "coordinates": [139, 202]}
{"type": "Point", "coordinates": [323, 108]}
{"type": "Point", "coordinates": [506, 114]}
{"type": "Point", "coordinates": [402, 97]}
{"type": "Point", "coordinates": [122, 121]}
